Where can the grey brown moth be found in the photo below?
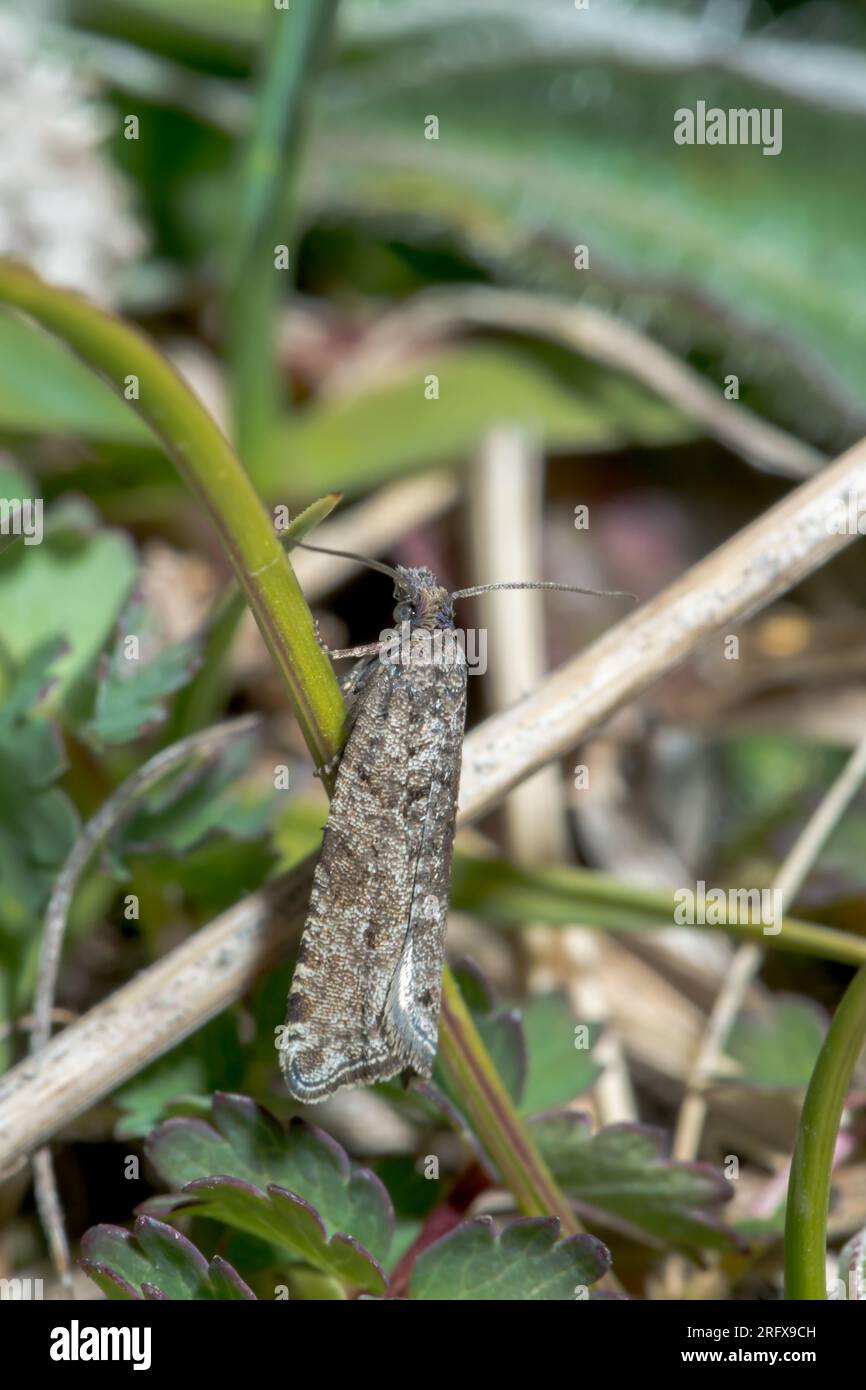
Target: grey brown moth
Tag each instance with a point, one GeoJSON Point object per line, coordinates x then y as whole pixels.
{"type": "Point", "coordinates": [364, 1000]}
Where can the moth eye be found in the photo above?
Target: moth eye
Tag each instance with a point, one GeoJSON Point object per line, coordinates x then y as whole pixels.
{"type": "Point", "coordinates": [404, 612]}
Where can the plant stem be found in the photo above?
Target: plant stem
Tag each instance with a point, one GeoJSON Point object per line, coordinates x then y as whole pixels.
{"type": "Point", "coordinates": [128, 361]}
{"type": "Point", "coordinates": [206, 461]}
{"type": "Point", "coordinates": [494, 1118]}
{"type": "Point", "coordinates": [495, 888]}
{"type": "Point", "coordinates": [200, 701]}
{"type": "Point", "coordinates": [812, 1164]}
{"type": "Point", "coordinates": [296, 40]}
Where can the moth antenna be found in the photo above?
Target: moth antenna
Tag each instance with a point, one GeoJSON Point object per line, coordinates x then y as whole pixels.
{"type": "Point", "coordinates": [543, 584]}
{"type": "Point", "coordinates": [350, 555]}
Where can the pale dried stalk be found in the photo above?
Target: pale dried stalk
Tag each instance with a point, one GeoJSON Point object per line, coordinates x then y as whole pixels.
{"type": "Point", "coordinates": [506, 505]}
{"type": "Point", "coordinates": [748, 958]}
{"type": "Point", "coordinates": [590, 333]}
{"type": "Point", "coordinates": [181, 992]}
{"type": "Point", "coordinates": [507, 490]}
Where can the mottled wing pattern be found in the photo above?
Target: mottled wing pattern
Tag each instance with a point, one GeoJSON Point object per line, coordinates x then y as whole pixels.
{"type": "Point", "coordinates": [364, 1002]}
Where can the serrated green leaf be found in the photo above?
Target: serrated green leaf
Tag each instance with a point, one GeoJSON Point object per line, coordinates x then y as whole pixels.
{"type": "Point", "coordinates": [188, 810]}
{"type": "Point", "coordinates": [38, 822]}
{"type": "Point", "coordinates": [132, 690]}
{"type": "Point", "coordinates": [156, 1261]}
{"type": "Point", "coordinates": [288, 1220]}
{"type": "Point", "coordinates": [526, 1262]}
{"type": "Point", "coordinates": [296, 1188]}
{"type": "Point", "coordinates": [619, 1177]}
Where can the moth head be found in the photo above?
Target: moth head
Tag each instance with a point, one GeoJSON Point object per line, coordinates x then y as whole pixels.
{"type": "Point", "coordinates": [420, 599]}
{"type": "Point", "coordinates": [422, 602]}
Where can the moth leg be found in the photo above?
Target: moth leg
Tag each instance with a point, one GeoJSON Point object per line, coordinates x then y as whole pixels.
{"type": "Point", "coordinates": [319, 638]}
{"type": "Point", "coordinates": [348, 684]}
{"type": "Point", "coordinates": [335, 653]}
{"type": "Point", "coordinates": [353, 682]}
{"type": "Point", "coordinates": [330, 766]}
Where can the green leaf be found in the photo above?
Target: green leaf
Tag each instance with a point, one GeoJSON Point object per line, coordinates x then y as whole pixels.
{"type": "Point", "coordinates": [618, 1177]}
{"type": "Point", "coordinates": [354, 441]}
{"type": "Point", "coordinates": [297, 1189]}
{"type": "Point", "coordinates": [526, 1262]}
{"type": "Point", "coordinates": [503, 1038]}
{"type": "Point", "coordinates": [204, 30]}
{"type": "Point", "coordinates": [45, 390]}
{"type": "Point", "coordinates": [565, 896]}
{"type": "Point", "coordinates": [197, 805]}
{"type": "Point", "coordinates": [30, 683]}
{"type": "Point", "coordinates": [72, 586]}
{"type": "Point", "coordinates": [558, 1069]}
{"type": "Point", "coordinates": [132, 689]}
{"type": "Point", "coordinates": [38, 822]}
{"type": "Point", "coordinates": [143, 1101]}
{"type": "Point", "coordinates": [533, 1045]}
{"type": "Point", "coordinates": [561, 897]}
{"type": "Point", "coordinates": [307, 520]}
{"type": "Point", "coordinates": [780, 1050]}
{"type": "Point", "coordinates": [556, 132]}
{"type": "Point", "coordinates": [156, 1261]}
{"type": "Point", "coordinates": [211, 1058]}
{"type": "Point", "coordinates": [413, 1195]}
{"type": "Point", "coordinates": [211, 877]}
{"type": "Point", "coordinates": [500, 1032]}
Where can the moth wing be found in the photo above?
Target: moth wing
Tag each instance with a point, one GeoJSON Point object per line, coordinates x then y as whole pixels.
{"type": "Point", "coordinates": [411, 1019]}
{"type": "Point", "coordinates": [350, 1015]}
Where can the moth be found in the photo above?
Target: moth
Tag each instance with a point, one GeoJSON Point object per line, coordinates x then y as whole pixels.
{"type": "Point", "coordinates": [365, 995]}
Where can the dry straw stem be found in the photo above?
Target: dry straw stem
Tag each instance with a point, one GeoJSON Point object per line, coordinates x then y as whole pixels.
{"type": "Point", "coordinates": [593, 334]}
{"type": "Point", "coordinates": [748, 958]}
{"type": "Point", "coordinates": [192, 984]}
{"type": "Point", "coordinates": [507, 490]}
